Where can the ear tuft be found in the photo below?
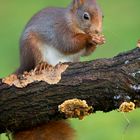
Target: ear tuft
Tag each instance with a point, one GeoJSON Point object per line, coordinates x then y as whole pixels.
{"type": "Point", "coordinates": [77, 3]}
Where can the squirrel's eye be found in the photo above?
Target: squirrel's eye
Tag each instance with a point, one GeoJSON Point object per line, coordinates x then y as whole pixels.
{"type": "Point", "coordinates": [86, 16]}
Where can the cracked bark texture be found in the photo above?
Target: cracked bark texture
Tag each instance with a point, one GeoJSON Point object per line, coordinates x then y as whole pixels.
{"type": "Point", "coordinates": [103, 83]}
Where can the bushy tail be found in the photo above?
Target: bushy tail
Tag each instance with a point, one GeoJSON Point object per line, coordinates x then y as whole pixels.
{"type": "Point", "coordinates": [54, 130]}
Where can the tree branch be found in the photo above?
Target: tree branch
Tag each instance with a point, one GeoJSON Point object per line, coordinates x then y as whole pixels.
{"type": "Point", "coordinates": [103, 83]}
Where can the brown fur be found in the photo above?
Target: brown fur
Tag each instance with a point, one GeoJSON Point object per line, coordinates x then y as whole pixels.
{"type": "Point", "coordinates": [78, 42]}
{"type": "Point", "coordinates": [77, 3]}
{"type": "Point", "coordinates": [54, 130]}
{"type": "Point", "coordinates": [89, 50]}
{"type": "Point", "coordinates": [30, 54]}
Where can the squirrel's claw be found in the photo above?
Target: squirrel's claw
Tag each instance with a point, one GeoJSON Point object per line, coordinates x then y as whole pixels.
{"type": "Point", "coordinates": [41, 66]}
{"type": "Point", "coordinates": [98, 39]}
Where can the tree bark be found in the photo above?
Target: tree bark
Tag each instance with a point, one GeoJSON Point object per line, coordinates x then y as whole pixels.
{"type": "Point", "coordinates": [103, 83]}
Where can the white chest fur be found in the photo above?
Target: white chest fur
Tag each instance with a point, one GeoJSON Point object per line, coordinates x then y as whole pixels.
{"type": "Point", "coordinates": [52, 56]}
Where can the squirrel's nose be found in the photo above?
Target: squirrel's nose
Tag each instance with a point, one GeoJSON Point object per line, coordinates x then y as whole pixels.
{"type": "Point", "coordinates": [95, 30]}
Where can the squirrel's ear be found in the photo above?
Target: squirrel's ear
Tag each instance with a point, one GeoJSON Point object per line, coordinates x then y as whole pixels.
{"type": "Point", "coordinates": [77, 3]}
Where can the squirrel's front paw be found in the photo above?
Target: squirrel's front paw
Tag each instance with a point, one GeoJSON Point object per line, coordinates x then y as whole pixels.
{"type": "Point", "coordinates": [41, 66]}
{"type": "Point", "coordinates": [75, 108]}
{"type": "Point", "coordinates": [98, 39]}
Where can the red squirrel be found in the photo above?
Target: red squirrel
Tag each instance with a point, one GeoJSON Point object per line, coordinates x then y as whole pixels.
{"type": "Point", "coordinates": [56, 35]}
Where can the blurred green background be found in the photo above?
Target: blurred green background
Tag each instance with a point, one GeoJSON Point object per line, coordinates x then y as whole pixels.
{"type": "Point", "coordinates": [122, 30]}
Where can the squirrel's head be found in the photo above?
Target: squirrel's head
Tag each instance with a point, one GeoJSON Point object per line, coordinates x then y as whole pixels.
{"type": "Point", "coordinates": [86, 16]}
